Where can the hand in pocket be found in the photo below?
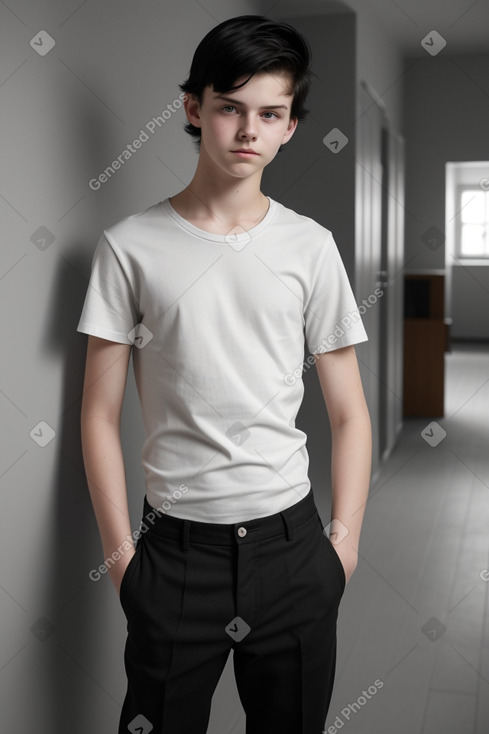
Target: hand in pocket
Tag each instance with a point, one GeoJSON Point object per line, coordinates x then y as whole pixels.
{"type": "Point", "coordinates": [119, 569]}
{"type": "Point", "coordinates": [348, 557]}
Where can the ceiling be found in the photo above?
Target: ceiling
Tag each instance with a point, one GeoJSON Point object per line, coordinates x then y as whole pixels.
{"type": "Point", "coordinates": [464, 24]}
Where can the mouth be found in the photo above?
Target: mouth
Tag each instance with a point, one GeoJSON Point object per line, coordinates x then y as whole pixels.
{"type": "Point", "coordinates": [245, 152]}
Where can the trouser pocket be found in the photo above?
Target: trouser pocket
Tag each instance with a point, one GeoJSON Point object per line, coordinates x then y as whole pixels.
{"type": "Point", "coordinates": [129, 573]}
{"type": "Point", "coordinates": [331, 551]}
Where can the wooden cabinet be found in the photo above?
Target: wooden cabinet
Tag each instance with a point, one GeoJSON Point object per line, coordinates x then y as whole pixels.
{"type": "Point", "coordinates": [425, 344]}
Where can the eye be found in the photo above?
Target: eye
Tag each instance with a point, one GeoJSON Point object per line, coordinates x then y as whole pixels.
{"type": "Point", "coordinates": [272, 115]}
{"type": "Point", "coordinates": [228, 108]}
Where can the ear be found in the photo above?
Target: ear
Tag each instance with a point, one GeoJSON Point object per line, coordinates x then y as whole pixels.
{"type": "Point", "coordinates": [192, 109]}
{"type": "Point", "coordinates": [291, 127]}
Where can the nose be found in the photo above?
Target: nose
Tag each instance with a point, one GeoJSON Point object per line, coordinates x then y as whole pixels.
{"type": "Point", "coordinates": [248, 129]}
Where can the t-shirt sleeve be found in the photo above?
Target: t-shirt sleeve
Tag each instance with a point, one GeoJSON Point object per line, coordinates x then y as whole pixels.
{"type": "Point", "coordinates": [110, 310]}
{"type": "Point", "coordinates": [332, 318]}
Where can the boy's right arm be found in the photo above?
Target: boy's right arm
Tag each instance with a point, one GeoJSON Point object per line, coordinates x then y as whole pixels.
{"type": "Point", "coordinates": [103, 394]}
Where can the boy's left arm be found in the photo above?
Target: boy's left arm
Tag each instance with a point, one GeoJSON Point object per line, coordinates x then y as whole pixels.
{"type": "Point", "coordinates": [351, 455]}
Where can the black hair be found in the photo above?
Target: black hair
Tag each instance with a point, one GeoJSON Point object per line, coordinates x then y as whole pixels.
{"type": "Point", "coordinates": [244, 46]}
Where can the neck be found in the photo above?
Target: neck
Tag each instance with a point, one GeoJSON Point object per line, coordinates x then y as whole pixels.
{"type": "Point", "coordinates": [226, 200]}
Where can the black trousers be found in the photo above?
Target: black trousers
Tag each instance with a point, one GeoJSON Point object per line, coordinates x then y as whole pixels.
{"type": "Point", "coordinates": [268, 588]}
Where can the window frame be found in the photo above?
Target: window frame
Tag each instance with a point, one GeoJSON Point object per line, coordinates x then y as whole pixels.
{"type": "Point", "coordinates": [459, 253]}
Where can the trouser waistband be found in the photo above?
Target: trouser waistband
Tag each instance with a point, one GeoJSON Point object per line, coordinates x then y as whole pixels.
{"type": "Point", "coordinates": [246, 531]}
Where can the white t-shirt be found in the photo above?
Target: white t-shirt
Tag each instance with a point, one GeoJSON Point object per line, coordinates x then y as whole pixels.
{"type": "Point", "coordinates": [218, 325]}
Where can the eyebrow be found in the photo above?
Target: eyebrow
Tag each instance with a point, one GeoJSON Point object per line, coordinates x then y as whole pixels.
{"type": "Point", "coordinates": [264, 107]}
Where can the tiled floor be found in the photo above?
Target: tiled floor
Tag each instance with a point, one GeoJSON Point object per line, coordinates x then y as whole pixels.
{"type": "Point", "coordinates": [414, 621]}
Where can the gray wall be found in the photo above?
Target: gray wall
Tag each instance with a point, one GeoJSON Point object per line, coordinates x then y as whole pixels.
{"type": "Point", "coordinates": [446, 119]}
{"type": "Point", "coordinates": [65, 116]}
{"type": "Point", "coordinates": [470, 302]}
{"type": "Point", "coordinates": [379, 61]}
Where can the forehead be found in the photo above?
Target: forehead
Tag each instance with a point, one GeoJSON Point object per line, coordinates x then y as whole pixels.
{"type": "Point", "coordinates": [262, 88]}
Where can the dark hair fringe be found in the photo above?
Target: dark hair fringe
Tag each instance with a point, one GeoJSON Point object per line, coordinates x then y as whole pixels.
{"type": "Point", "coordinates": [244, 46]}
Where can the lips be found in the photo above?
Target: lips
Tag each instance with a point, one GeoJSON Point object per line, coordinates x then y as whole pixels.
{"type": "Point", "coordinates": [245, 151]}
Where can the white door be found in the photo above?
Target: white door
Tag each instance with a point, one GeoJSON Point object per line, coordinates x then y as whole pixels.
{"type": "Point", "coordinates": [379, 268]}
{"type": "Point", "coordinates": [368, 224]}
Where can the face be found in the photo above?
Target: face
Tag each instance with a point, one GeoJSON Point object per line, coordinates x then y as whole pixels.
{"type": "Point", "coordinates": [243, 129]}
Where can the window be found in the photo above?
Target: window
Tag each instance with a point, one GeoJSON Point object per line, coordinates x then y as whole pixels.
{"type": "Point", "coordinates": [473, 222]}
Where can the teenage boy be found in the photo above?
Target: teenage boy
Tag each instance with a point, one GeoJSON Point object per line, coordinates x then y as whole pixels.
{"type": "Point", "coordinates": [213, 291]}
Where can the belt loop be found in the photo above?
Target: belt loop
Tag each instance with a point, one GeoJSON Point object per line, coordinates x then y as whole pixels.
{"type": "Point", "coordinates": [186, 535]}
{"type": "Point", "coordinates": [289, 526]}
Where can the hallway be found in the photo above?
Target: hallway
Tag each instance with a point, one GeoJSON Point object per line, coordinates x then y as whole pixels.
{"type": "Point", "coordinates": [413, 621]}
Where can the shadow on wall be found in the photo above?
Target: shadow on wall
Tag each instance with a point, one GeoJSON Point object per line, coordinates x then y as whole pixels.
{"type": "Point", "coordinates": [74, 673]}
